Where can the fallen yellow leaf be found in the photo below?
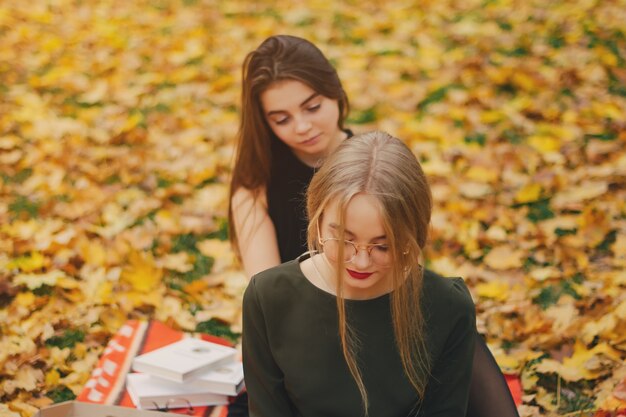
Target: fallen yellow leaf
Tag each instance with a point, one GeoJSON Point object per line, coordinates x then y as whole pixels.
{"type": "Point", "coordinates": [495, 289]}
{"type": "Point", "coordinates": [53, 377]}
{"type": "Point", "coordinates": [141, 272]}
{"type": "Point", "coordinates": [544, 143]}
{"type": "Point", "coordinates": [583, 364]}
{"type": "Point", "coordinates": [93, 252]}
{"type": "Point", "coordinates": [29, 263]}
{"type": "Point", "coordinates": [528, 193]}
{"type": "Point", "coordinates": [25, 299]}
{"type": "Point", "coordinates": [33, 281]}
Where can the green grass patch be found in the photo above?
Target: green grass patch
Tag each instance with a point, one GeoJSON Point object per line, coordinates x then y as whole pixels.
{"type": "Point", "coordinates": [67, 339]}
{"type": "Point", "coordinates": [218, 328]}
{"type": "Point", "coordinates": [60, 394]}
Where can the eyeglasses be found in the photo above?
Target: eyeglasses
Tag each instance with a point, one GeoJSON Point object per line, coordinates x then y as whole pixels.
{"type": "Point", "coordinates": [378, 253]}
{"type": "Point", "coordinates": [172, 403]}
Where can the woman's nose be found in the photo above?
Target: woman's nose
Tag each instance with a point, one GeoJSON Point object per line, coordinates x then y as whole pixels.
{"type": "Point", "coordinates": [362, 259]}
{"type": "Point", "coordinates": [302, 125]}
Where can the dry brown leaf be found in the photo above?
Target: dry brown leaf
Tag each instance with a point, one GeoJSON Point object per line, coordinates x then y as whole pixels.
{"type": "Point", "coordinates": [180, 262]}
{"type": "Point", "coordinates": [583, 364]}
{"type": "Point", "coordinates": [5, 411]}
{"type": "Point", "coordinates": [564, 316]}
{"type": "Point", "coordinates": [504, 257]}
{"type": "Point", "coordinates": [475, 190]}
{"type": "Point", "coordinates": [620, 390]}
{"type": "Point", "coordinates": [220, 251]}
{"type": "Point", "coordinates": [580, 193]}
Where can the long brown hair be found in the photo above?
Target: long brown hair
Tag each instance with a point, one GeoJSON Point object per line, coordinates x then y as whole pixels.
{"type": "Point", "coordinates": [278, 58]}
{"type": "Point", "coordinates": [382, 166]}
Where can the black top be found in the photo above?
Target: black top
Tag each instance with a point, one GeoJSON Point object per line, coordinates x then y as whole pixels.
{"type": "Point", "coordinates": [294, 365]}
{"type": "Point", "coordinates": [286, 197]}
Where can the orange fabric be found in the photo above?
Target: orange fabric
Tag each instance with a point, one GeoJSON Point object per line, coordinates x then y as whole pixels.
{"type": "Point", "coordinates": [107, 384]}
{"type": "Point", "coordinates": [515, 385]}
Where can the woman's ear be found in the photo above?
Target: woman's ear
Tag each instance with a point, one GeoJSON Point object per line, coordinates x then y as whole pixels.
{"type": "Point", "coordinates": [420, 258]}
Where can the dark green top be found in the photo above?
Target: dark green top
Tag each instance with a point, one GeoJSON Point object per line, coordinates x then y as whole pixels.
{"type": "Point", "coordinates": [294, 366]}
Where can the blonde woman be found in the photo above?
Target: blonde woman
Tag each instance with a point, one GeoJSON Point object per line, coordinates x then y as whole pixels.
{"type": "Point", "coordinates": [359, 327]}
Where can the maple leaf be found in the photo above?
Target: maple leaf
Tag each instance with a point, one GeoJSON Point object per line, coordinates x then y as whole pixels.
{"type": "Point", "coordinates": [583, 364]}
{"type": "Point", "coordinates": [176, 262]}
{"type": "Point", "coordinates": [580, 193]}
{"type": "Point", "coordinates": [220, 251]}
{"type": "Point", "coordinates": [93, 252]}
{"type": "Point", "coordinates": [29, 263]}
{"type": "Point", "coordinates": [494, 289]}
{"type": "Point", "coordinates": [34, 281]}
{"type": "Point", "coordinates": [141, 272]}
{"type": "Point", "coordinates": [504, 257]}
{"type": "Point", "coordinates": [529, 193]}
{"type": "Point", "coordinates": [5, 411]}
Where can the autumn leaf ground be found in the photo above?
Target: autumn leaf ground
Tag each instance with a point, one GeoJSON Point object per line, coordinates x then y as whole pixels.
{"type": "Point", "coordinates": [117, 121]}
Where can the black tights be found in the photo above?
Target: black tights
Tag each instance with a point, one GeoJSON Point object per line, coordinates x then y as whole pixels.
{"type": "Point", "coordinates": [489, 393]}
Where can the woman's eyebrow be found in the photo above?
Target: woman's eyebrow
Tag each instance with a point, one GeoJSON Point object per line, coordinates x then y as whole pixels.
{"type": "Point", "coordinates": [335, 226]}
{"type": "Point", "coordinates": [304, 103]}
{"type": "Point", "coordinates": [309, 98]}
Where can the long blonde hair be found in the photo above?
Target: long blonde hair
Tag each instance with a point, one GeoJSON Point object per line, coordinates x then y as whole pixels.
{"type": "Point", "coordinates": [378, 164]}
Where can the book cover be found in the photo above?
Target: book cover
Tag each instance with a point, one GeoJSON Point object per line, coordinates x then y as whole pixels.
{"type": "Point", "coordinates": [184, 360]}
{"type": "Point", "coordinates": [150, 393]}
{"type": "Point", "coordinates": [226, 379]}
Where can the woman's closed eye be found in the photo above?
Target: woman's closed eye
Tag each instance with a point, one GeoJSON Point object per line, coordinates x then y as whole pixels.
{"type": "Point", "coordinates": [314, 108]}
{"type": "Point", "coordinates": [282, 121]}
{"type": "Point", "coordinates": [381, 248]}
{"type": "Point", "coordinates": [310, 109]}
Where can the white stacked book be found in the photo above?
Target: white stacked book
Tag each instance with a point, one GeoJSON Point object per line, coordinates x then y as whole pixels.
{"type": "Point", "coordinates": [187, 373]}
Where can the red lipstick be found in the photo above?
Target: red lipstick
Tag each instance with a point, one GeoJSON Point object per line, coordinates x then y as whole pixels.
{"type": "Point", "coordinates": [359, 275]}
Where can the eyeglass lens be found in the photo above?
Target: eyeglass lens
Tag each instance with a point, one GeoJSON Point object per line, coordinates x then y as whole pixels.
{"type": "Point", "coordinates": [377, 253]}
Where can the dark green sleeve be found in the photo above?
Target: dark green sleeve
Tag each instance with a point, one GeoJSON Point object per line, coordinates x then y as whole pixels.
{"type": "Point", "coordinates": [447, 392]}
{"type": "Point", "coordinates": [263, 377]}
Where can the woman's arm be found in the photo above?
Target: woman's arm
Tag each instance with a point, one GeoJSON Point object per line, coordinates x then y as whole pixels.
{"type": "Point", "coordinates": [263, 377]}
{"type": "Point", "coordinates": [448, 387]}
{"type": "Point", "coordinates": [255, 230]}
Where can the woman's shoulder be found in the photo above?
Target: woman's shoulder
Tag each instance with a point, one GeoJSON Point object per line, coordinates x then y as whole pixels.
{"type": "Point", "coordinates": [445, 292]}
{"type": "Point", "coordinates": [244, 197]}
{"type": "Point", "coordinates": [276, 280]}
